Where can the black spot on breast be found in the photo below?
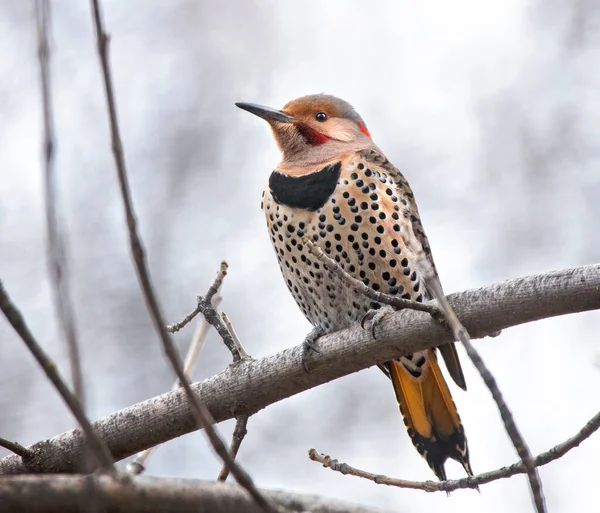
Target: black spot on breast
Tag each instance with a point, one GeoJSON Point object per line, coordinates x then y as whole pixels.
{"type": "Point", "coordinates": [309, 192]}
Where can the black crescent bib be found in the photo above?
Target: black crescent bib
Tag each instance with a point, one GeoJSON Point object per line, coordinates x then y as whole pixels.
{"type": "Point", "coordinates": [308, 192]}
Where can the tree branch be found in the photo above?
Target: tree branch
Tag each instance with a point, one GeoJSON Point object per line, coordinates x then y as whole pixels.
{"type": "Point", "coordinates": [468, 482]}
{"type": "Point", "coordinates": [65, 494]}
{"type": "Point", "coordinates": [213, 289]}
{"type": "Point", "coordinates": [252, 385]}
{"type": "Point", "coordinates": [239, 432]}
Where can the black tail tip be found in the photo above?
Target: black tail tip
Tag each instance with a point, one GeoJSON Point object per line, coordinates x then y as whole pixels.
{"type": "Point", "coordinates": [439, 471]}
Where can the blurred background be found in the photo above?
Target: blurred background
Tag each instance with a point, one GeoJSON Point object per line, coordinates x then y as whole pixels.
{"type": "Point", "coordinates": [490, 109]}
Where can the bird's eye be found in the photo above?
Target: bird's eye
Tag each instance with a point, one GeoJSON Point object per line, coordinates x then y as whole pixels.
{"type": "Point", "coordinates": [321, 116]}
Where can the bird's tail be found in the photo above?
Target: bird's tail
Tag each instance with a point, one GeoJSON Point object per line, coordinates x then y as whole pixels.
{"type": "Point", "coordinates": [430, 415]}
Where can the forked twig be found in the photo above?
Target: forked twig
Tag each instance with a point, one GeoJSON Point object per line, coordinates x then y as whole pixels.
{"type": "Point", "coordinates": [199, 410]}
{"type": "Point", "coordinates": [468, 482]}
{"type": "Point", "coordinates": [214, 288]}
{"type": "Point", "coordinates": [206, 308]}
{"type": "Point", "coordinates": [212, 316]}
{"type": "Point", "coordinates": [14, 317]}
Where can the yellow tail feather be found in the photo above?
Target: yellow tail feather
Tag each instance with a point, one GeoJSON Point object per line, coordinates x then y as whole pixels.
{"type": "Point", "coordinates": [430, 415]}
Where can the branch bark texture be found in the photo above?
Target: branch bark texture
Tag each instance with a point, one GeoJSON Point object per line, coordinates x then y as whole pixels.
{"type": "Point", "coordinates": [251, 385]}
{"type": "Point", "coordinates": [68, 494]}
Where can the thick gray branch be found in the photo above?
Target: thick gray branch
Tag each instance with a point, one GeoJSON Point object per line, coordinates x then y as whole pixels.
{"type": "Point", "coordinates": [251, 385]}
{"type": "Point", "coordinates": [70, 494]}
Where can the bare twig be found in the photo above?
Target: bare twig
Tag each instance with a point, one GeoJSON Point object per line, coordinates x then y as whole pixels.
{"type": "Point", "coordinates": [175, 327]}
{"type": "Point", "coordinates": [241, 422]}
{"type": "Point", "coordinates": [16, 448]}
{"type": "Point", "coordinates": [218, 283]}
{"type": "Point", "coordinates": [468, 482]}
{"type": "Point", "coordinates": [207, 309]}
{"type": "Point", "coordinates": [14, 317]}
{"type": "Point", "coordinates": [460, 333]}
{"type": "Point", "coordinates": [197, 343]}
{"type": "Point", "coordinates": [239, 432]}
{"type": "Point", "coordinates": [212, 316]}
{"type": "Point", "coordinates": [56, 243]}
{"type": "Point", "coordinates": [359, 286]}
{"type": "Point", "coordinates": [201, 413]}
{"type": "Point", "coordinates": [214, 288]}
{"type": "Point", "coordinates": [240, 350]}
{"type": "Point", "coordinates": [254, 385]}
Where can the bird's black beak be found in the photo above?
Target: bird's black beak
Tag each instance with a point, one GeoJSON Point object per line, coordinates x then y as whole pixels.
{"type": "Point", "coordinates": [267, 113]}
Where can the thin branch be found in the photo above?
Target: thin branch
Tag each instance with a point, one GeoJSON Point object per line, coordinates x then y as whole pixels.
{"type": "Point", "coordinates": [206, 308]}
{"type": "Point", "coordinates": [14, 317]}
{"type": "Point", "coordinates": [201, 413]}
{"type": "Point", "coordinates": [239, 432]}
{"type": "Point", "coordinates": [214, 288]}
{"type": "Point", "coordinates": [64, 494]}
{"type": "Point", "coordinates": [56, 243]}
{"type": "Point", "coordinates": [253, 385]}
{"type": "Point", "coordinates": [212, 316]}
{"type": "Point", "coordinates": [460, 333]}
{"type": "Point", "coordinates": [240, 349]}
{"type": "Point", "coordinates": [241, 422]}
{"type": "Point", "coordinates": [359, 286]}
{"type": "Point", "coordinates": [16, 448]}
{"type": "Point", "coordinates": [56, 240]}
{"type": "Point", "coordinates": [469, 482]}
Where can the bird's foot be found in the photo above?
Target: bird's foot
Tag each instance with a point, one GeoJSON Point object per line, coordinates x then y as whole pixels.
{"type": "Point", "coordinates": [308, 346]}
{"type": "Point", "coordinates": [375, 317]}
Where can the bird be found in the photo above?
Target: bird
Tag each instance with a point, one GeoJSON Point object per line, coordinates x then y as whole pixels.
{"type": "Point", "coordinates": [335, 188]}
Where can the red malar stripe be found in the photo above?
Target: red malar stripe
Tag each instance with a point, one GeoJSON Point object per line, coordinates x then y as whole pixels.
{"type": "Point", "coordinates": [311, 135]}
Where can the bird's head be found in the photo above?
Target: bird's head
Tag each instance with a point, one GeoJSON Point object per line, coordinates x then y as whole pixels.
{"type": "Point", "coordinates": [314, 129]}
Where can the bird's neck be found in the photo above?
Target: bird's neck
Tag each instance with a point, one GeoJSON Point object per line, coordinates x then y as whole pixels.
{"type": "Point", "coordinates": [306, 163]}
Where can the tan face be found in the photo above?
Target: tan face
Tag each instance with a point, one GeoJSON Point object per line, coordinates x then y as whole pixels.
{"type": "Point", "coordinates": [324, 116]}
{"type": "Point", "coordinates": [314, 129]}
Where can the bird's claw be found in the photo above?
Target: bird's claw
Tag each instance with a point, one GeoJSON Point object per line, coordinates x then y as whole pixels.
{"type": "Point", "coordinates": [309, 345]}
{"type": "Point", "coordinates": [375, 316]}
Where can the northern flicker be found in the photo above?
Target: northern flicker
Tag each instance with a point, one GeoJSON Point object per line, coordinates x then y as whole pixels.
{"type": "Point", "coordinates": [335, 187]}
